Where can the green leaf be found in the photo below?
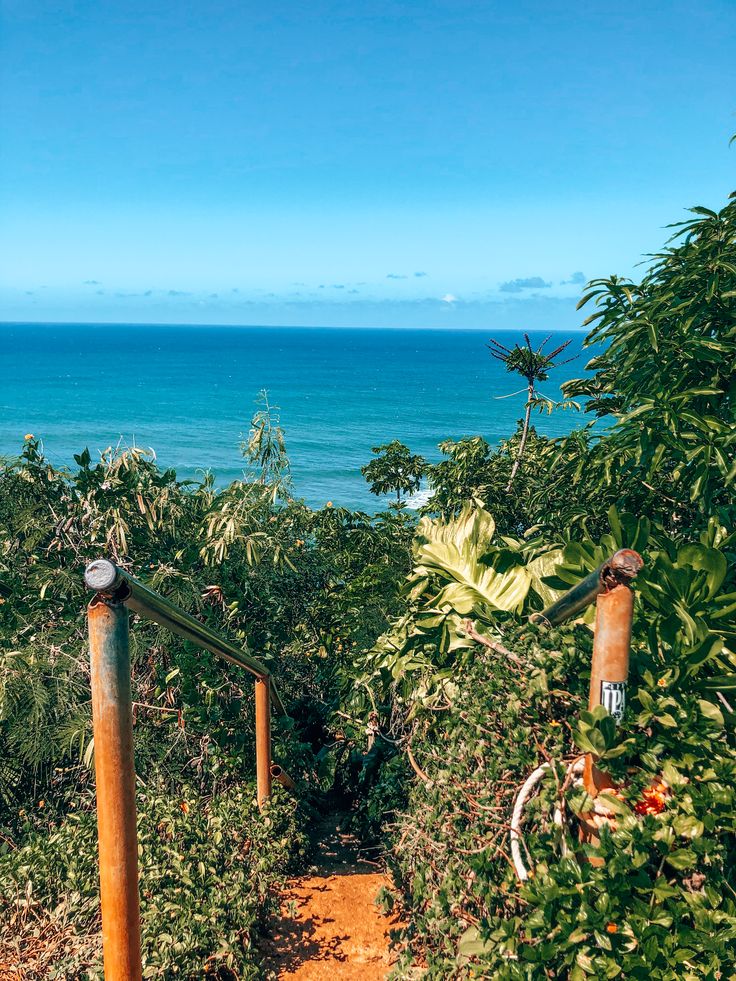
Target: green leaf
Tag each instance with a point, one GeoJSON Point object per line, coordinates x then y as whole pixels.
{"type": "Point", "coordinates": [683, 858]}
{"type": "Point", "coordinates": [709, 560]}
{"type": "Point", "coordinates": [688, 826]}
{"type": "Point", "coordinates": [711, 712]}
{"type": "Point", "coordinates": [721, 682]}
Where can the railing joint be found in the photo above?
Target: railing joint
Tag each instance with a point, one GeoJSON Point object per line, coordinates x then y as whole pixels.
{"type": "Point", "coordinates": [618, 570]}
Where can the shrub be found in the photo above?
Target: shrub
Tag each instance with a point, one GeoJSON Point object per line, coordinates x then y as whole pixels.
{"type": "Point", "coordinates": [208, 868]}
{"type": "Point", "coordinates": [660, 906]}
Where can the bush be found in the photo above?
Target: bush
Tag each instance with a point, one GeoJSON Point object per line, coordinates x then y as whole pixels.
{"type": "Point", "coordinates": [661, 904]}
{"type": "Point", "coordinates": [299, 588]}
{"type": "Point", "coordinates": [208, 868]}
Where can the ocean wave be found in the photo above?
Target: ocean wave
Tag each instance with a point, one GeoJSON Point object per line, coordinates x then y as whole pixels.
{"type": "Point", "coordinates": [419, 498]}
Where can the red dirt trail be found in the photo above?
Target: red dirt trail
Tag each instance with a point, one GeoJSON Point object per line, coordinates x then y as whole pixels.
{"type": "Point", "coordinates": [329, 926]}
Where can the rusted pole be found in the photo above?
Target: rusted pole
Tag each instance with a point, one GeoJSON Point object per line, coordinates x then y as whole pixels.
{"type": "Point", "coordinates": [263, 739]}
{"type": "Point", "coordinates": [115, 779]}
{"type": "Point", "coordinates": [609, 669]}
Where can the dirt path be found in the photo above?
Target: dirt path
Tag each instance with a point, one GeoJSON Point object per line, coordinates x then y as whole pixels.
{"type": "Point", "coordinates": [329, 926]}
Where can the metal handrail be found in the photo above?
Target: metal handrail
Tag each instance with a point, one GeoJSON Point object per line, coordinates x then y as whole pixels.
{"type": "Point", "coordinates": [620, 569]}
{"type": "Point", "coordinates": [108, 579]}
{"type": "Point", "coordinates": [116, 592]}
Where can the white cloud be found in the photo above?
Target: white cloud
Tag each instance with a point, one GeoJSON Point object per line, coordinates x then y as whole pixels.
{"type": "Point", "coordinates": [526, 283]}
{"type": "Point", "coordinates": [449, 298]}
{"type": "Point", "coordinates": [576, 279]}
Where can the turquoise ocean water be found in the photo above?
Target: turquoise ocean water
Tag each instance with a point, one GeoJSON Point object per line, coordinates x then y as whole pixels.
{"type": "Point", "coordinates": [189, 392]}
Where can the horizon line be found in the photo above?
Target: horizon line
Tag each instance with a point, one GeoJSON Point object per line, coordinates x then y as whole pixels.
{"type": "Point", "coordinates": [126, 323]}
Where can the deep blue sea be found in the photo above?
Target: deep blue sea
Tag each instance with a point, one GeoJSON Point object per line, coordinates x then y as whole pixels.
{"type": "Point", "coordinates": [189, 392]}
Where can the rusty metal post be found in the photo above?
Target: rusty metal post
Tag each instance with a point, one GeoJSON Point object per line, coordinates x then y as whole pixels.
{"type": "Point", "coordinates": [609, 669]}
{"type": "Point", "coordinates": [263, 739]}
{"type": "Point", "coordinates": [115, 779]}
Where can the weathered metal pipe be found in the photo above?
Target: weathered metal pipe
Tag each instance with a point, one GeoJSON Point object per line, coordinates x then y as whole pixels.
{"type": "Point", "coordinates": [282, 777]}
{"type": "Point", "coordinates": [104, 577]}
{"type": "Point", "coordinates": [115, 779]}
{"type": "Point", "coordinates": [263, 740]}
{"type": "Point", "coordinates": [622, 567]}
{"type": "Point", "coordinates": [609, 668]}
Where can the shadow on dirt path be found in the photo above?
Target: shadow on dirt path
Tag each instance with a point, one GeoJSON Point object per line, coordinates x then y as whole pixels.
{"type": "Point", "coordinates": [329, 926]}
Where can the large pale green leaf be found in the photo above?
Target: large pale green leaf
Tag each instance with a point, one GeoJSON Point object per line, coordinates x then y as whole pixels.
{"type": "Point", "coordinates": [460, 554]}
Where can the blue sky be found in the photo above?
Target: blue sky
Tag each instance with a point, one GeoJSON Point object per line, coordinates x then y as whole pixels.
{"type": "Point", "coordinates": [442, 163]}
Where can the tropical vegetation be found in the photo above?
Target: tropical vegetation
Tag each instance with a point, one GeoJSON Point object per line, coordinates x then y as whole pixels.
{"type": "Point", "coordinates": [416, 684]}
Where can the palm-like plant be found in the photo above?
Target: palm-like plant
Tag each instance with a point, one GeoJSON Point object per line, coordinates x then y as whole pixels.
{"type": "Point", "coordinates": [534, 366]}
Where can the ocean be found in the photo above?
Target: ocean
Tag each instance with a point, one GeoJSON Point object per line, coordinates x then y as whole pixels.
{"type": "Point", "coordinates": [189, 393]}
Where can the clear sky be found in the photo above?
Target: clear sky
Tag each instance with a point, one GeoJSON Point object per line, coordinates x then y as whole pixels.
{"type": "Point", "coordinates": [427, 163]}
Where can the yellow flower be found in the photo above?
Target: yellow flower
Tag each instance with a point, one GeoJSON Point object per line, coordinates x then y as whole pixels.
{"type": "Point", "coordinates": [661, 682]}
{"type": "Point", "coordinates": [42, 803]}
{"type": "Point", "coordinates": [612, 928]}
{"type": "Point", "coordinates": [28, 436]}
{"type": "Point", "coordinates": [554, 722]}
{"type": "Point", "coordinates": [329, 504]}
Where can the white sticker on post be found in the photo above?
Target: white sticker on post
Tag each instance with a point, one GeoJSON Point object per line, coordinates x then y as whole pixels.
{"type": "Point", "coordinates": [613, 698]}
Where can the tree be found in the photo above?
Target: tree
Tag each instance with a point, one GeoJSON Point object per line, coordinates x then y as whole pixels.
{"type": "Point", "coordinates": [395, 468]}
{"type": "Point", "coordinates": [265, 447]}
{"type": "Point", "coordinates": [665, 377]}
{"type": "Point", "coordinates": [534, 366]}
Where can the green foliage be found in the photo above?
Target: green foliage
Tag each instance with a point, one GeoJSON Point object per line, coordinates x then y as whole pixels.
{"type": "Point", "coordinates": [462, 578]}
{"type": "Point", "coordinates": [395, 470]}
{"type": "Point", "coordinates": [265, 448]}
{"type": "Point", "coordinates": [474, 470]}
{"type": "Point", "coordinates": [472, 725]}
{"type": "Point", "coordinates": [466, 474]}
{"type": "Point", "coordinates": [596, 733]}
{"type": "Point", "coordinates": [207, 871]}
{"type": "Point", "coordinates": [533, 366]}
{"type": "Point", "coordinates": [301, 589]}
{"type": "Point", "coordinates": [661, 903]}
{"type": "Point", "coordinates": [661, 384]}
{"type": "Point", "coordinates": [665, 375]}
{"type": "Point", "coordinates": [522, 359]}
{"type": "Point", "coordinates": [478, 574]}
{"type": "Point", "coordinates": [296, 585]}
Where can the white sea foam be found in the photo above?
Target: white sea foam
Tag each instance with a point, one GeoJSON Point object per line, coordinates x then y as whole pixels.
{"type": "Point", "coordinates": [419, 498]}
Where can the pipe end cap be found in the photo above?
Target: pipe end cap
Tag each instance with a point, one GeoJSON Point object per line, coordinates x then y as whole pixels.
{"type": "Point", "coordinates": [100, 575]}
